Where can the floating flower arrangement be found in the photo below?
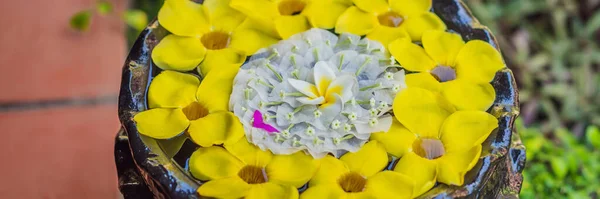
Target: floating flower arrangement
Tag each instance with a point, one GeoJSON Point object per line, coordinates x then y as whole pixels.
{"type": "Point", "coordinates": [321, 98]}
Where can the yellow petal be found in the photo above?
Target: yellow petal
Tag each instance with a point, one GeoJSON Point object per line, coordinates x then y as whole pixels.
{"type": "Point", "coordinates": [211, 163]}
{"type": "Point", "coordinates": [368, 160]}
{"type": "Point", "coordinates": [356, 21]}
{"type": "Point", "coordinates": [385, 35]}
{"type": "Point", "coordinates": [257, 9]}
{"type": "Point", "coordinates": [423, 80]}
{"type": "Point", "coordinates": [418, 24]}
{"type": "Point", "coordinates": [442, 46]}
{"type": "Point", "coordinates": [222, 16]}
{"type": "Point", "coordinates": [216, 128]}
{"type": "Point", "coordinates": [478, 61]}
{"type": "Point", "coordinates": [183, 18]}
{"type": "Point", "coordinates": [264, 26]}
{"type": "Point", "coordinates": [389, 184]}
{"type": "Point", "coordinates": [289, 25]}
{"type": "Point", "coordinates": [421, 111]}
{"type": "Point", "coordinates": [397, 141]}
{"type": "Point", "coordinates": [161, 123]}
{"type": "Point", "coordinates": [421, 170]}
{"type": "Point", "coordinates": [324, 191]}
{"type": "Point", "coordinates": [410, 7]}
{"type": "Point", "coordinates": [465, 129]}
{"type": "Point", "coordinates": [324, 13]}
{"type": "Point", "coordinates": [271, 190]}
{"type": "Point", "coordinates": [466, 95]}
{"type": "Point", "coordinates": [178, 53]}
{"type": "Point", "coordinates": [171, 89]}
{"type": "Point", "coordinates": [215, 89]}
{"type": "Point", "coordinates": [330, 170]}
{"type": "Point", "coordinates": [218, 59]}
{"type": "Point", "coordinates": [249, 153]}
{"type": "Point", "coordinates": [372, 6]}
{"type": "Point", "coordinates": [411, 56]}
{"type": "Point", "coordinates": [295, 169]}
{"type": "Point", "coordinates": [453, 166]}
{"type": "Point", "coordinates": [249, 41]}
{"type": "Point", "coordinates": [232, 187]}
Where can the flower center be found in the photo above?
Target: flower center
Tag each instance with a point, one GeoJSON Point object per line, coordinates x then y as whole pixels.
{"type": "Point", "coordinates": [429, 148]}
{"type": "Point", "coordinates": [253, 174]}
{"type": "Point", "coordinates": [443, 73]}
{"type": "Point", "coordinates": [195, 111]}
{"type": "Point", "coordinates": [352, 182]}
{"type": "Point", "coordinates": [215, 40]}
{"type": "Point", "coordinates": [390, 19]}
{"type": "Point", "coordinates": [291, 7]}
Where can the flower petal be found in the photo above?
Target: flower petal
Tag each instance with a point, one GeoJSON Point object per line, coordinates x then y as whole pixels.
{"type": "Point", "coordinates": [249, 40]}
{"type": "Point", "coordinates": [389, 184]}
{"type": "Point", "coordinates": [329, 172]}
{"type": "Point", "coordinates": [386, 35]}
{"type": "Point", "coordinates": [215, 89]}
{"type": "Point", "coordinates": [372, 6]}
{"type": "Point", "coordinates": [421, 170]}
{"type": "Point", "coordinates": [421, 111]}
{"type": "Point", "coordinates": [258, 9]}
{"type": "Point", "coordinates": [423, 80]}
{"type": "Point", "coordinates": [183, 18]}
{"type": "Point", "coordinates": [287, 26]}
{"type": "Point", "coordinates": [178, 53]}
{"type": "Point", "coordinates": [161, 123]}
{"type": "Point", "coordinates": [171, 89]}
{"type": "Point", "coordinates": [368, 160]}
{"type": "Point", "coordinates": [306, 88]}
{"type": "Point", "coordinates": [478, 61]}
{"type": "Point", "coordinates": [397, 141]}
{"type": "Point", "coordinates": [224, 58]}
{"type": "Point", "coordinates": [442, 46]}
{"type": "Point", "coordinates": [232, 187]}
{"type": "Point", "coordinates": [212, 163]}
{"type": "Point", "coordinates": [324, 13]}
{"type": "Point", "coordinates": [411, 56]}
{"type": "Point", "coordinates": [410, 7]}
{"type": "Point", "coordinates": [469, 96]}
{"type": "Point", "coordinates": [465, 129]}
{"type": "Point", "coordinates": [323, 76]}
{"type": "Point", "coordinates": [222, 16]}
{"type": "Point", "coordinates": [324, 191]}
{"type": "Point", "coordinates": [342, 86]}
{"type": "Point", "coordinates": [249, 154]}
{"type": "Point", "coordinates": [356, 21]}
{"type": "Point", "coordinates": [418, 24]}
{"type": "Point", "coordinates": [311, 101]}
{"type": "Point", "coordinates": [295, 169]}
{"type": "Point", "coordinates": [271, 190]}
{"type": "Point", "coordinates": [216, 128]}
{"type": "Point", "coordinates": [453, 166]}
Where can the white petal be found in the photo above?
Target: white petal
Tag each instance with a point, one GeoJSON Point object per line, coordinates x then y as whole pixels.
{"type": "Point", "coordinates": [312, 101]}
{"type": "Point", "coordinates": [304, 87]}
{"type": "Point", "coordinates": [348, 85]}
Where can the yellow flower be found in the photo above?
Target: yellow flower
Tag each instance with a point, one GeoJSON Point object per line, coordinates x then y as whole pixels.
{"type": "Point", "coordinates": [386, 21]}
{"type": "Point", "coordinates": [435, 142]}
{"type": "Point", "coordinates": [461, 72]}
{"type": "Point", "coordinates": [358, 175]}
{"type": "Point", "coordinates": [244, 170]}
{"type": "Point", "coordinates": [210, 35]}
{"type": "Point", "coordinates": [178, 101]}
{"type": "Point", "coordinates": [288, 17]}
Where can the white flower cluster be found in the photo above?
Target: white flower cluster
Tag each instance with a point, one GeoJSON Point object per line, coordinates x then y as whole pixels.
{"type": "Point", "coordinates": [322, 93]}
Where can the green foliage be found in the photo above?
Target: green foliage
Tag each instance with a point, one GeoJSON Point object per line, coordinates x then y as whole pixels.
{"type": "Point", "coordinates": [104, 7]}
{"type": "Point", "coordinates": [81, 20]}
{"type": "Point", "coordinates": [136, 19]}
{"type": "Point", "coordinates": [552, 46]}
{"type": "Point", "coordinates": [559, 165]}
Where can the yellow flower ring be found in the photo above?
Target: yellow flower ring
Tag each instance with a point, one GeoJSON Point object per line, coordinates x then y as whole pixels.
{"type": "Point", "coordinates": [440, 129]}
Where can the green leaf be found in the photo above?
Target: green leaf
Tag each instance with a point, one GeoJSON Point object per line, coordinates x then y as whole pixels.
{"type": "Point", "coordinates": [81, 20]}
{"type": "Point", "coordinates": [559, 167]}
{"type": "Point", "coordinates": [137, 19]}
{"type": "Point", "coordinates": [592, 135]}
{"type": "Point", "coordinates": [593, 24]}
{"type": "Point", "coordinates": [104, 7]}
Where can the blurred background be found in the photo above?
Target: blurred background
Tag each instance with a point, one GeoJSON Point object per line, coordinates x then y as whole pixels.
{"type": "Point", "coordinates": [61, 64]}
